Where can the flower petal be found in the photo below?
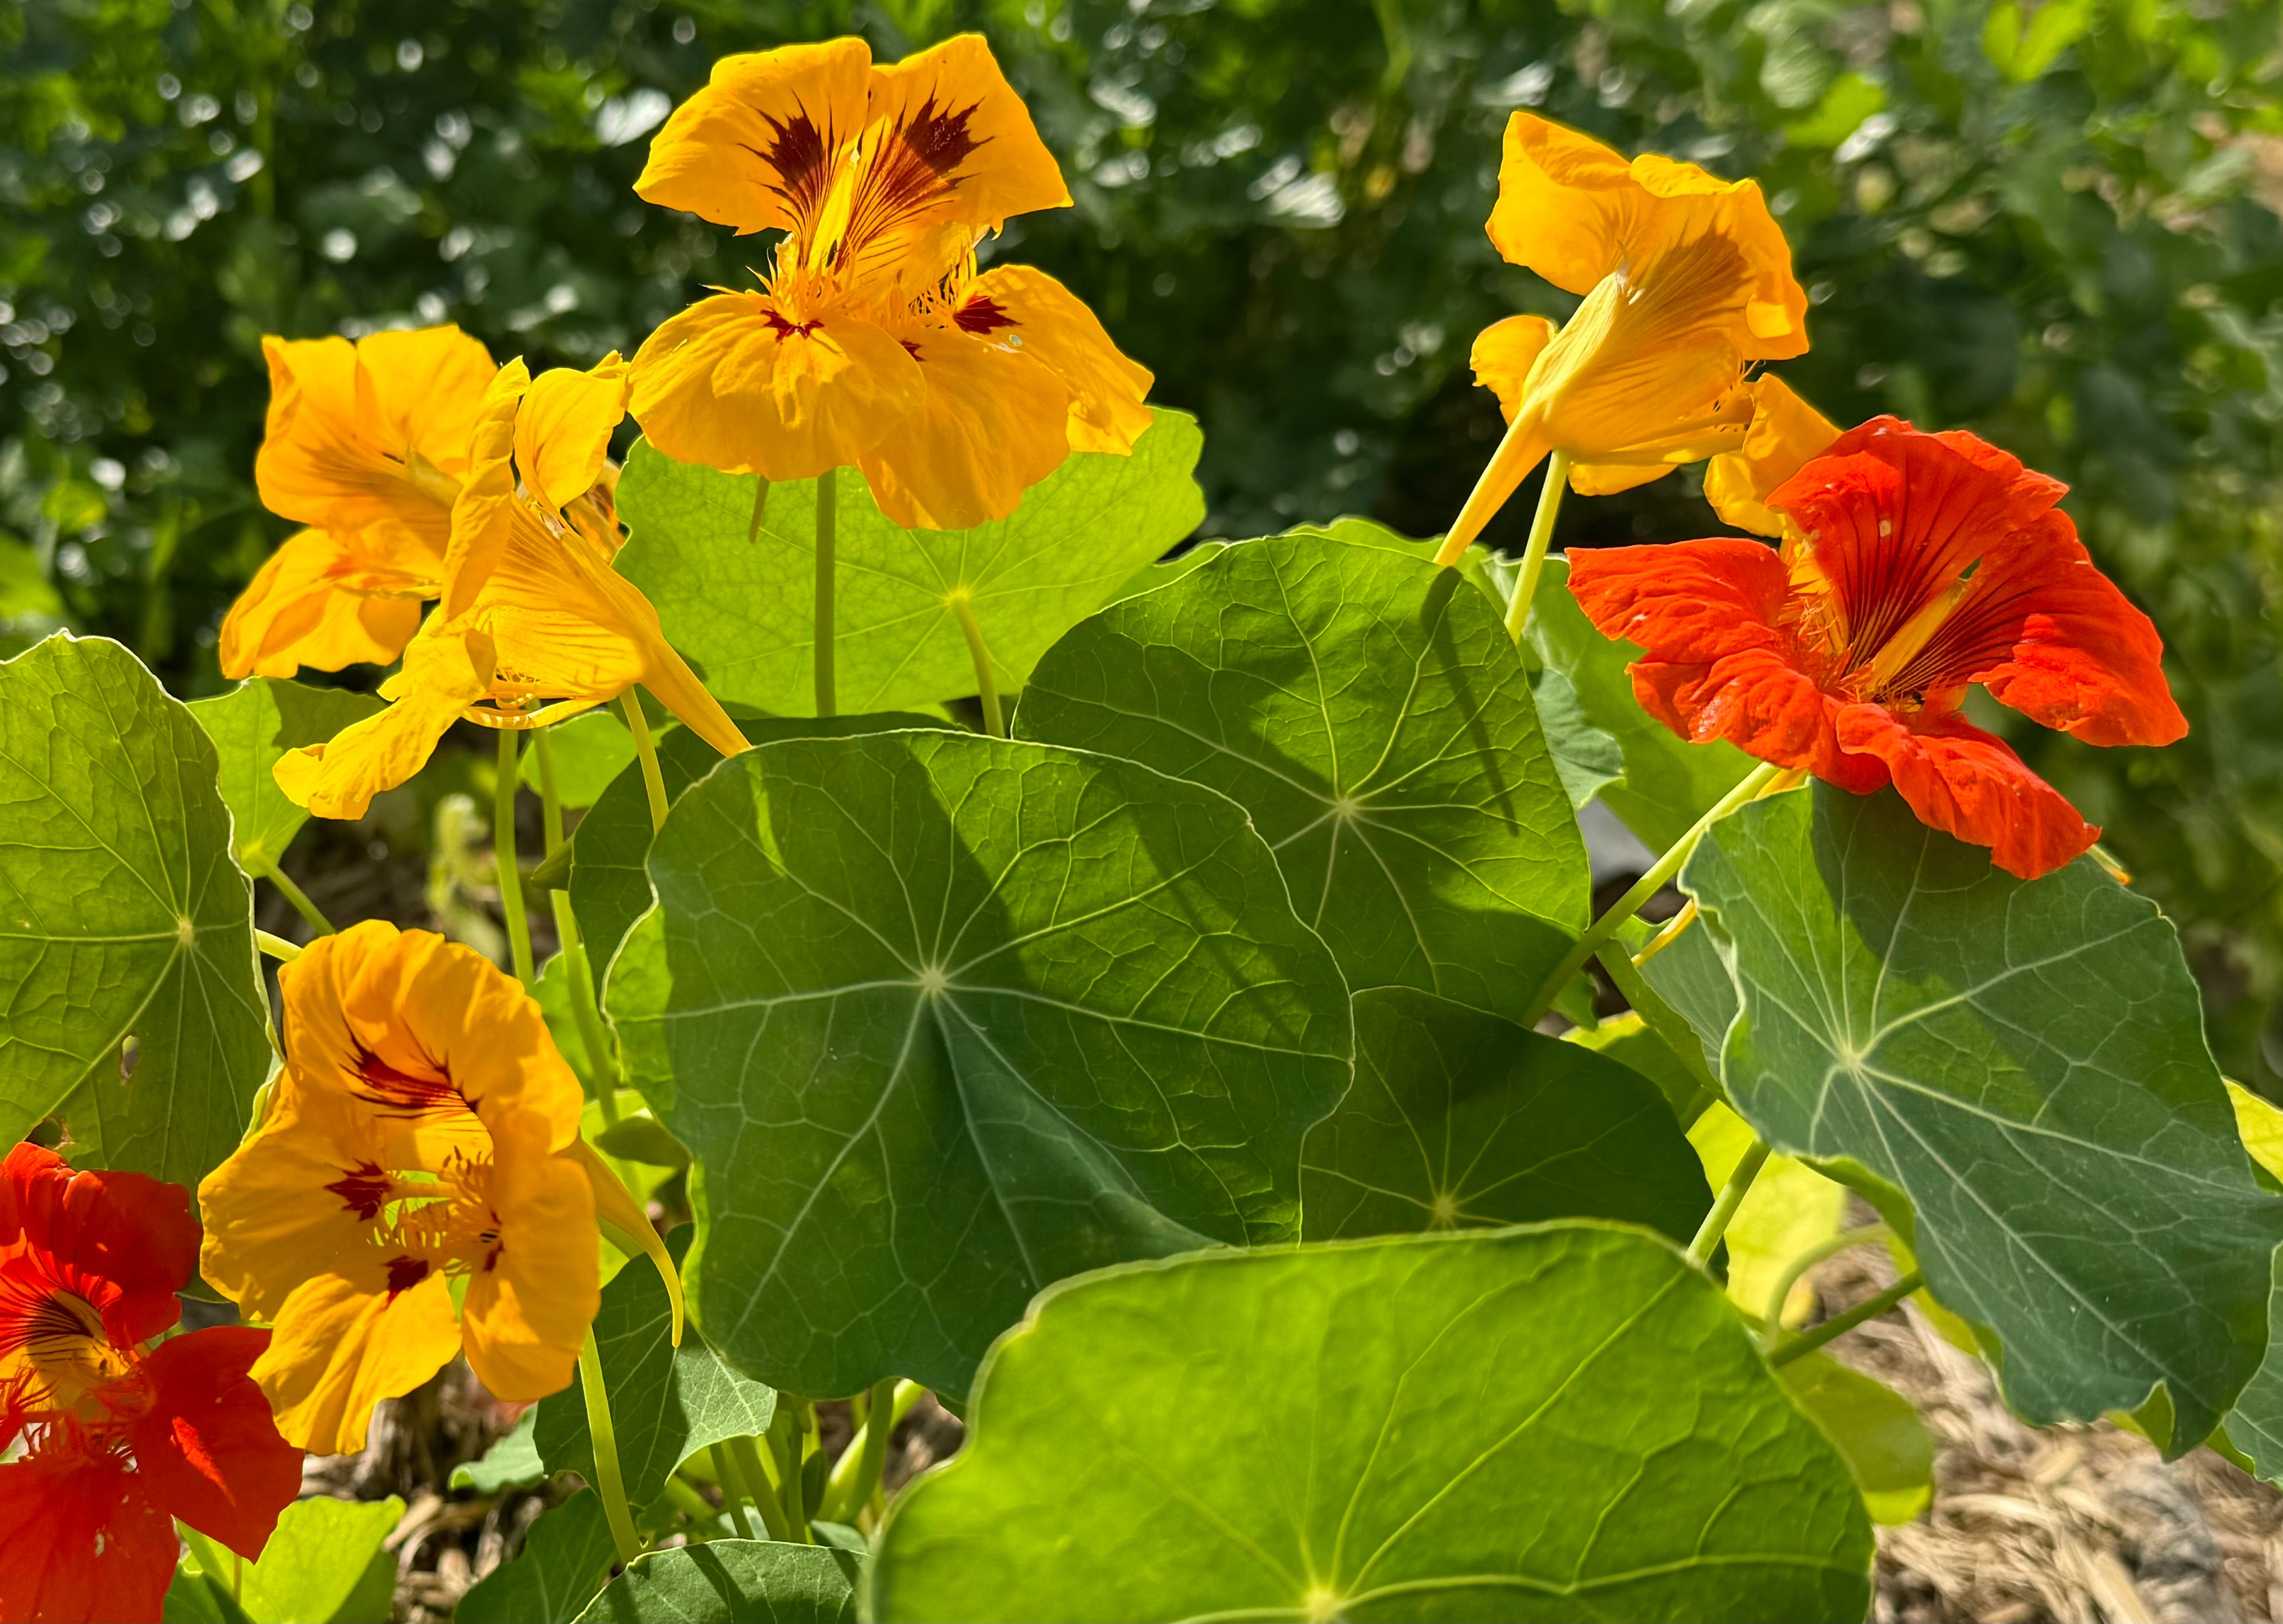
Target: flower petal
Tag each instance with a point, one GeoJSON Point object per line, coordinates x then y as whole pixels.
{"type": "Point", "coordinates": [341, 1345]}
{"type": "Point", "coordinates": [417, 391]}
{"type": "Point", "coordinates": [755, 148]}
{"type": "Point", "coordinates": [443, 675]}
{"type": "Point", "coordinates": [1971, 784]}
{"type": "Point", "coordinates": [1759, 702]}
{"type": "Point", "coordinates": [950, 135]}
{"type": "Point", "coordinates": [208, 1449]}
{"type": "Point", "coordinates": [79, 1543]}
{"type": "Point", "coordinates": [562, 429]}
{"type": "Point", "coordinates": [1504, 354]}
{"type": "Point", "coordinates": [301, 609]}
{"type": "Point", "coordinates": [121, 1243]}
{"type": "Point", "coordinates": [1020, 307]}
{"type": "Point", "coordinates": [298, 1198]}
{"type": "Point", "coordinates": [1686, 601]}
{"type": "Point", "coordinates": [527, 1310]}
{"type": "Point", "coordinates": [994, 423]}
{"type": "Point", "coordinates": [1785, 434]}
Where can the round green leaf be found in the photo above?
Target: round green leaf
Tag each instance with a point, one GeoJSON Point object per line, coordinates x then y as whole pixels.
{"type": "Point", "coordinates": [743, 612]}
{"type": "Point", "coordinates": [1556, 1423]}
{"type": "Point", "coordinates": [732, 1581]}
{"type": "Point", "coordinates": [1461, 1120]}
{"type": "Point", "coordinates": [134, 1009]}
{"type": "Point", "coordinates": [1371, 713]}
{"type": "Point", "coordinates": [2025, 1064]}
{"type": "Point", "coordinates": [1877, 1432]}
{"type": "Point", "coordinates": [565, 1558]}
{"type": "Point", "coordinates": [945, 1018]}
{"type": "Point", "coordinates": [252, 726]}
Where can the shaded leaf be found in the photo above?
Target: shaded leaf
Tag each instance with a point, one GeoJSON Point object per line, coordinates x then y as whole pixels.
{"type": "Point", "coordinates": [1629, 1040]}
{"type": "Point", "coordinates": [1876, 1431]}
{"type": "Point", "coordinates": [509, 1463]}
{"type": "Point", "coordinates": [566, 1556]}
{"type": "Point", "coordinates": [732, 1581]}
{"type": "Point", "coordinates": [946, 1018]}
{"type": "Point", "coordinates": [1790, 1207]}
{"type": "Point", "coordinates": [1551, 1422]}
{"type": "Point", "coordinates": [252, 726]}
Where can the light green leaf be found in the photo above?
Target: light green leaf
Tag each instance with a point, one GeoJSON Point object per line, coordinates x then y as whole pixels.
{"type": "Point", "coordinates": [511, 1461]}
{"type": "Point", "coordinates": [130, 1004]}
{"type": "Point", "coordinates": [945, 1018]}
{"type": "Point", "coordinates": [1668, 783]}
{"type": "Point", "coordinates": [733, 1581]}
{"type": "Point", "coordinates": [567, 1556]}
{"type": "Point", "coordinates": [1459, 1120]}
{"type": "Point", "coordinates": [743, 613]}
{"type": "Point", "coordinates": [1876, 1431]}
{"type": "Point", "coordinates": [2025, 1064]}
{"type": "Point", "coordinates": [1790, 1207]}
{"type": "Point", "coordinates": [1689, 978]}
{"type": "Point", "coordinates": [1371, 713]}
{"type": "Point", "coordinates": [1632, 1042]}
{"type": "Point", "coordinates": [666, 1403]}
{"type": "Point", "coordinates": [252, 726]}
{"type": "Point", "coordinates": [1553, 1423]}
{"type": "Point", "coordinates": [325, 1564]}
{"type": "Point", "coordinates": [589, 751]}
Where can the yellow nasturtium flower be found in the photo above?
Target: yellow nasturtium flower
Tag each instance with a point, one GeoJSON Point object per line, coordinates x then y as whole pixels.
{"type": "Point", "coordinates": [875, 342]}
{"type": "Point", "coordinates": [421, 1148]}
{"type": "Point", "coordinates": [1686, 281]}
{"type": "Point", "coordinates": [367, 444]}
{"type": "Point", "coordinates": [1786, 434]}
{"type": "Point", "coordinates": [535, 625]}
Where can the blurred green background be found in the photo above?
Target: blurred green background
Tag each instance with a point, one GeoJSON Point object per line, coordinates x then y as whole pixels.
{"type": "Point", "coordinates": [2053, 224]}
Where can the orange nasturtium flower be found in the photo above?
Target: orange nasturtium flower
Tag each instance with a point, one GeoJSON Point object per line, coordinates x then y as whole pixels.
{"type": "Point", "coordinates": [874, 342]}
{"type": "Point", "coordinates": [533, 613]}
{"type": "Point", "coordinates": [1912, 566]}
{"type": "Point", "coordinates": [1686, 281]}
{"type": "Point", "coordinates": [119, 1438]}
{"type": "Point", "coordinates": [422, 1142]}
{"type": "Point", "coordinates": [367, 444]}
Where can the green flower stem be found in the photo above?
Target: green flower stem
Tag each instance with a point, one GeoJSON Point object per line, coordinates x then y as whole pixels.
{"type": "Point", "coordinates": [510, 873]}
{"type": "Point", "coordinates": [653, 780]}
{"type": "Point", "coordinates": [284, 952]}
{"type": "Point", "coordinates": [690, 1503]}
{"type": "Point", "coordinates": [1723, 1206]}
{"type": "Point", "coordinates": [828, 521]}
{"type": "Point", "coordinates": [787, 1429]}
{"type": "Point", "coordinates": [1541, 537]}
{"type": "Point", "coordinates": [733, 1491]}
{"type": "Point", "coordinates": [1647, 886]}
{"type": "Point", "coordinates": [584, 1010]}
{"type": "Point", "coordinates": [857, 1473]}
{"type": "Point", "coordinates": [962, 604]}
{"type": "Point", "coordinates": [605, 1437]}
{"type": "Point", "coordinates": [1831, 1245]}
{"type": "Point", "coordinates": [1839, 1325]}
{"type": "Point", "coordinates": [761, 1488]}
{"type": "Point", "coordinates": [760, 511]}
{"type": "Point", "coordinates": [299, 898]}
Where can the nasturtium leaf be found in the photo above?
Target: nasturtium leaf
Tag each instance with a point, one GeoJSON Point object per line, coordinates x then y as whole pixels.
{"type": "Point", "coordinates": [732, 1581]}
{"type": "Point", "coordinates": [2255, 1425]}
{"type": "Point", "coordinates": [589, 751]}
{"type": "Point", "coordinates": [1667, 782]}
{"type": "Point", "coordinates": [2025, 1064]}
{"type": "Point", "coordinates": [130, 1004]}
{"type": "Point", "coordinates": [1371, 713]}
{"type": "Point", "coordinates": [252, 726]}
{"type": "Point", "coordinates": [1551, 1422]}
{"type": "Point", "coordinates": [512, 1461]}
{"type": "Point", "coordinates": [1688, 978]}
{"type": "Point", "coordinates": [945, 1018]}
{"type": "Point", "coordinates": [667, 1402]}
{"type": "Point", "coordinates": [324, 1563]}
{"type": "Point", "coordinates": [609, 890]}
{"type": "Point", "coordinates": [1461, 1120]}
{"type": "Point", "coordinates": [1631, 1041]}
{"type": "Point", "coordinates": [1790, 1207]}
{"type": "Point", "coordinates": [1876, 1430]}
{"type": "Point", "coordinates": [743, 611]}
{"type": "Point", "coordinates": [566, 1556]}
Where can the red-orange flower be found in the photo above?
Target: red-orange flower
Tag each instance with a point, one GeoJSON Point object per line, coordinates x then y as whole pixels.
{"type": "Point", "coordinates": [121, 1440]}
{"type": "Point", "coordinates": [1912, 566]}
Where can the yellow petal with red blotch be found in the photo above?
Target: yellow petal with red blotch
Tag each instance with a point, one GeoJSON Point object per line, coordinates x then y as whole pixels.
{"type": "Point", "coordinates": [417, 392]}
{"type": "Point", "coordinates": [737, 384]}
{"type": "Point", "coordinates": [1576, 212]}
{"type": "Point", "coordinates": [443, 673]}
{"type": "Point", "coordinates": [1017, 307]}
{"type": "Point", "coordinates": [757, 147]}
{"type": "Point", "coordinates": [296, 1199]}
{"type": "Point", "coordinates": [949, 139]}
{"type": "Point", "coordinates": [1785, 435]}
{"type": "Point", "coordinates": [1504, 353]}
{"type": "Point", "coordinates": [528, 1306]}
{"type": "Point", "coordinates": [995, 423]}
{"type": "Point", "coordinates": [301, 609]}
{"type": "Point", "coordinates": [562, 429]}
{"type": "Point", "coordinates": [342, 1343]}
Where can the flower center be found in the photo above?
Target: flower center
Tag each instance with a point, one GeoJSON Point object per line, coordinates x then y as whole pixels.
{"type": "Point", "coordinates": [427, 1198]}
{"type": "Point", "coordinates": [54, 1350]}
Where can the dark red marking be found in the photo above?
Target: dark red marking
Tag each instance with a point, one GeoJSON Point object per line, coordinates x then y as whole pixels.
{"type": "Point", "coordinates": [404, 1274]}
{"type": "Point", "coordinates": [785, 329]}
{"type": "Point", "coordinates": [363, 1190]}
{"type": "Point", "coordinates": [982, 314]}
{"type": "Point", "coordinates": [400, 1094]}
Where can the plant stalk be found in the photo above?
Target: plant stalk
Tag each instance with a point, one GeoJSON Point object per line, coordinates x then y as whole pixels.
{"type": "Point", "coordinates": [585, 1012]}
{"type": "Point", "coordinates": [605, 1437]}
{"type": "Point", "coordinates": [761, 1489]}
{"type": "Point", "coordinates": [1724, 1207]}
{"type": "Point", "coordinates": [857, 1473]}
{"type": "Point", "coordinates": [510, 873]}
{"type": "Point", "coordinates": [1831, 1245]}
{"type": "Point", "coordinates": [284, 952]}
{"type": "Point", "coordinates": [653, 780]}
{"type": "Point", "coordinates": [828, 521]}
{"type": "Point", "coordinates": [1839, 1325]}
{"type": "Point", "coordinates": [787, 1429]}
{"type": "Point", "coordinates": [734, 1492]}
{"type": "Point", "coordinates": [761, 510]}
{"type": "Point", "coordinates": [299, 898]}
{"type": "Point", "coordinates": [1541, 537]}
{"type": "Point", "coordinates": [986, 683]}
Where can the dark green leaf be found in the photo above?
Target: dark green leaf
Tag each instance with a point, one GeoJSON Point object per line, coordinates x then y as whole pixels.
{"type": "Point", "coordinates": [2024, 1063]}
{"type": "Point", "coordinates": [946, 1018]}
{"type": "Point", "coordinates": [252, 726]}
{"type": "Point", "coordinates": [1461, 1120]}
{"type": "Point", "coordinates": [743, 612]}
{"type": "Point", "coordinates": [1548, 1424]}
{"type": "Point", "coordinates": [732, 1581]}
{"type": "Point", "coordinates": [135, 1012]}
{"type": "Point", "coordinates": [512, 1461]}
{"type": "Point", "coordinates": [1629, 1040]}
{"type": "Point", "coordinates": [1371, 713]}
{"type": "Point", "coordinates": [567, 1556]}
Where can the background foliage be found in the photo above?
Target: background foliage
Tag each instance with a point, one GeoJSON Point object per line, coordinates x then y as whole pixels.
{"type": "Point", "coordinates": [2053, 224]}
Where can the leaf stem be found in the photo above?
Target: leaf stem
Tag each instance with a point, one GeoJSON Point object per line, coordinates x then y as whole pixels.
{"type": "Point", "coordinates": [761, 1488]}
{"type": "Point", "coordinates": [1839, 1325]}
{"type": "Point", "coordinates": [962, 604]}
{"type": "Point", "coordinates": [1830, 1246]}
{"type": "Point", "coordinates": [1731, 1197]}
{"type": "Point", "coordinates": [1647, 886]}
{"type": "Point", "coordinates": [299, 898]}
{"type": "Point", "coordinates": [857, 1473]}
{"type": "Point", "coordinates": [734, 1492]}
{"type": "Point", "coordinates": [1541, 537]}
{"type": "Point", "coordinates": [284, 952]}
{"type": "Point", "coordinates": [761, 510]}
{"type": "Point", "coordinates": [585, 1012]}
{"type": "Point", "coordinates": [788, 1432]}
{"type": "Point", "coordinates": [828, 522]}
{"type": "Point", "coordinates": [511, 872]}
{"type": "Point", "coordinates": [604, 1438]}
{"type": "Point", "coordinates": [653, 780]}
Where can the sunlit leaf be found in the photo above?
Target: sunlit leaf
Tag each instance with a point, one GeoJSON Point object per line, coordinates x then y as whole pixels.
{"type": "Point", "coordinates": [1789, 1208]}
{"type": "Point", "coordinates": [252, 726]}
{"type": "Point", "coordinates": [512, 1461]}
{"type": "Point", "coordinates": [1876, 1431]}
{"type": "Point", "coordinates": [589, 751]}
{"type": "Point", "coordinates": [324, 1563]}
{"type": "Point", "coordinates": [567, 1556]}
{"type": "Point", "coordinates": [732, 1581]}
